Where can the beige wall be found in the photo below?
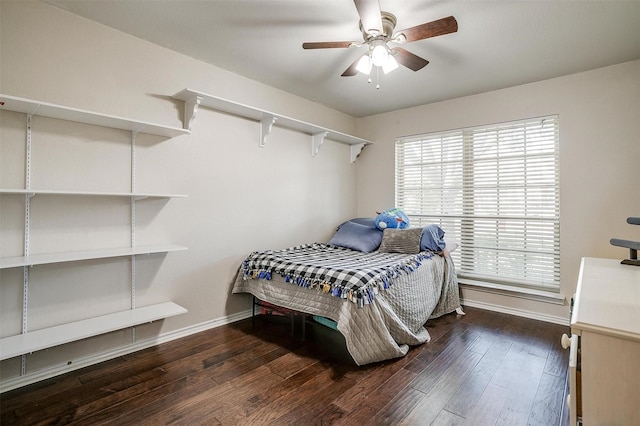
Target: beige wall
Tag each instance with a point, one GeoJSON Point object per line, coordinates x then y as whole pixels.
{"type": "Point", "coordinates": [599, 115]}
{"type": "Point", "coordinates": [240, 197]}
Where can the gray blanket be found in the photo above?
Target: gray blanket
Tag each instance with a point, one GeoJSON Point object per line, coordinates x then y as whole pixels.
{"type": "Point", "coordinates": [383, 329]}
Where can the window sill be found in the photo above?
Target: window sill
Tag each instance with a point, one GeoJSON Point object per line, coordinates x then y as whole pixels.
{"type": "Point", "coordinates": [512, 291]}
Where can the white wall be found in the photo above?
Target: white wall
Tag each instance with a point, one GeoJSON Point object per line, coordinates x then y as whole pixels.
{"type": "Point", "coordinates": [240, 197]}
{"type": "Point", "coordinates": [599, 115]}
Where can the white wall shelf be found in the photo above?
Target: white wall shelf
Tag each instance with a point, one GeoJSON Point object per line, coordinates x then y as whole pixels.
{"type": "Point", "coordinates": [135, 196]}
{"type": "Point", "coordinates": [29, 341]}
{"type": "Point", "coordinates": [193, 99]}
{"type": "Point", "coordinates": [44, 109]}
{"type": "Point", "coordinates": [53, 336]}
{"type": "Point", "coordinates": [72, 256]}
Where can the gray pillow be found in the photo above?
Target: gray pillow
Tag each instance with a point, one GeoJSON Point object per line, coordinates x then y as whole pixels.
{"type": "Point", "coordinates": [406, 241]}
{"type": "Point", "coordinates": [357, 237]}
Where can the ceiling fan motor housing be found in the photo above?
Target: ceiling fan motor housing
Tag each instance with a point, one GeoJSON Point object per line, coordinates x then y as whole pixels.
{"type": "Point", "coordinates": [388, 24]}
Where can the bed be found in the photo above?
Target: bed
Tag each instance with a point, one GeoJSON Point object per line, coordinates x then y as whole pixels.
{"type": "Point", "coordinates": [378, 299]}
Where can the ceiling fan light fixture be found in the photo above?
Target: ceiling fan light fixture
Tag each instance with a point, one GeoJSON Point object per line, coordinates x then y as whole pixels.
{"type": "Point", "coordinates": [364, 65]}
{"type": "Point", "coordinates": [390, 64]}
{"type": "Point", "coordinates": [379, 54]}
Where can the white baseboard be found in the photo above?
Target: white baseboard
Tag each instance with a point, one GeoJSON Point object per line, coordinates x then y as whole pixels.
{"type": "Point", "coordinates": [39, 375]}
{"type": "Point", "coordinates": [517, 312]}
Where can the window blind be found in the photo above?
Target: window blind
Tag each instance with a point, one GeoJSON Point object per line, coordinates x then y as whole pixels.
{"type": "Point", "coordinates": [495, 190]}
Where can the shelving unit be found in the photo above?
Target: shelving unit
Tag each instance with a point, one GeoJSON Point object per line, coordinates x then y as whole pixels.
{"type": "Point", "coordinates": [53, 336]}
{"type": "Point", "coordinates": [74, 256]}
{"type": "Point", "coordinates": [44, 109]}
{"type": "Point", "coordinates": [193, 99]}
{"type": "Point", "coordinates": [135, 196]}
{"type": "Point", "coordinates": [29, 341]}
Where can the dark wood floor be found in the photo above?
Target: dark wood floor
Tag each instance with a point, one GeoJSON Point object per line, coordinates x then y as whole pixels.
{"type": "Point", "coordinates": [484, 368]}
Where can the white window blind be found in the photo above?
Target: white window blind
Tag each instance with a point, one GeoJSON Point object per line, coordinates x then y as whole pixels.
{"type": "Point", "coordinates": [493, 189]}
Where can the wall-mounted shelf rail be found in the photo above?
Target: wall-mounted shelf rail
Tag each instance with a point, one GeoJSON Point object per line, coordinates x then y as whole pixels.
{"type": "Point", "coordinates": [44, 109]}
{"type": "Point", "coordinates": [72, 256]}
{"type": "Point", "coordinates": [193, 99]}
{"type": "Point", "coordinates": [135, 195]}
{"type": "Point", "coordinates": [53, 336]}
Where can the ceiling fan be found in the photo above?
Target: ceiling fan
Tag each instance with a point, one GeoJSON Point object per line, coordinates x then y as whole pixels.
{"type": "Point", "coordinates": [378, 31]}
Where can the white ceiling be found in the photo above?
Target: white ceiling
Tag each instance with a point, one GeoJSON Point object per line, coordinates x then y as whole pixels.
{"type": "Point", "coordinates": [500, 43]}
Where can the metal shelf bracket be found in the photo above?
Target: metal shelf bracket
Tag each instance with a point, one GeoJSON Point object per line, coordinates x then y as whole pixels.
{"type": "Point", "coordinates": [190, 110]}
{"type": "Point", "coordinates": [317, 139]}
{"type": "Point", "coordinates": [266, 124]}
{"type": "Point", "coordinates": [355, 151]}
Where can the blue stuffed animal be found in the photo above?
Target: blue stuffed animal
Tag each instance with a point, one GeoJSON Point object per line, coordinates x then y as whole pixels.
{"type": "Point", "coordinates": [393, 218]}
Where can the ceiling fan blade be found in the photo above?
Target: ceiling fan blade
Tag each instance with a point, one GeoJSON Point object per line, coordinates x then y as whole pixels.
{"type": "Point", "coordinates": [326, 44]}
{"type": "Point", "coordinates": [430, 29]}
{"type": "Point", "coordinates": [408, 59]}
{"type": "Point", "coordinates": [369, 11]}
{"type": "Point", "coordinates": [351, 71]}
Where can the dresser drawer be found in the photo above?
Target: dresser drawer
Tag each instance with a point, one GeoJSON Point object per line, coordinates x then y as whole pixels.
{"type": "Point", "coordinates": [610, 375]}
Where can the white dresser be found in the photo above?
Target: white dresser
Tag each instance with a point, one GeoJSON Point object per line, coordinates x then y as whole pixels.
{"type": "Point", "coordinates": [605, 344]}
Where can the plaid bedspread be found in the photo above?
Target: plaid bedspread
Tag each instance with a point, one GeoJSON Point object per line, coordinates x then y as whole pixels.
{"type": "Point", "coordinates": [341, 272]}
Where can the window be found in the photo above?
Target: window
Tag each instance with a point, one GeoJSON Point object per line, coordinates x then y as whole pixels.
{"type": "Point", "coordinates": [493, 189]}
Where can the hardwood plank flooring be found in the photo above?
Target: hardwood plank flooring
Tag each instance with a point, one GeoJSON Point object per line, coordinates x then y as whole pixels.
{"type": "Point", "coordinates": [484, 368]}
